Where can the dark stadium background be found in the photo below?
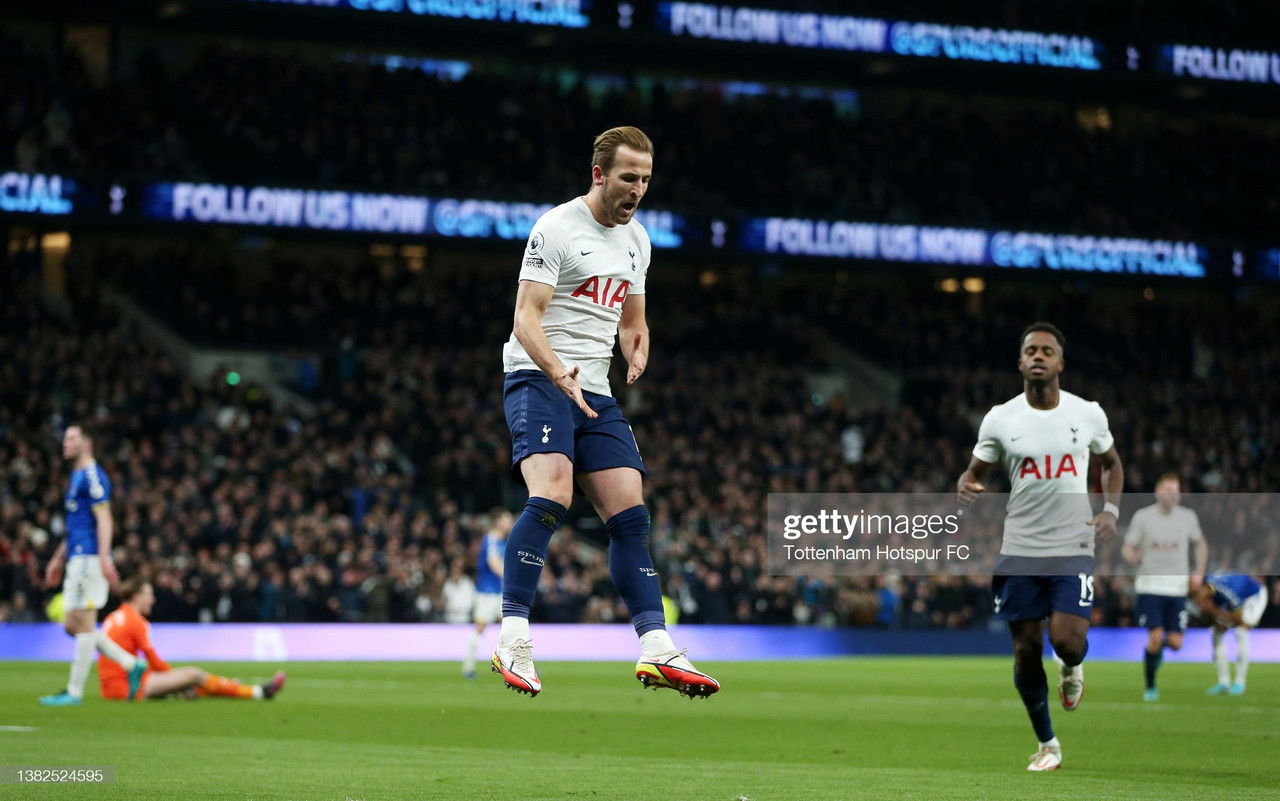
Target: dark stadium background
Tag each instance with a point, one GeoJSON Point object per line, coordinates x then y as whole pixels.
{"type": "Point", "coordinates": [306, 425]}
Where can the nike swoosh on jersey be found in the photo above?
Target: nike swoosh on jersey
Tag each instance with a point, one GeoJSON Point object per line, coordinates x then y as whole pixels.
{"type": "Point", "coordinates": [586, 252]}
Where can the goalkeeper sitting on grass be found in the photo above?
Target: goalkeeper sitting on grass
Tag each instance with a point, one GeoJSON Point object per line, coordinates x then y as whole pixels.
{"type": "Point", "coordinates": [128, 628]}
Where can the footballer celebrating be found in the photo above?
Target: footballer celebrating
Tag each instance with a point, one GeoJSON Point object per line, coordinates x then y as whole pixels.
{"type": "Point", "coordinates": [1045, 569]}
{"type": "Point", "coordinates": [582, 285]}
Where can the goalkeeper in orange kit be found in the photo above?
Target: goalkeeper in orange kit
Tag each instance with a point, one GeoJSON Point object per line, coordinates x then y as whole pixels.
{"type": "Point", "coordinates": [128, 628]}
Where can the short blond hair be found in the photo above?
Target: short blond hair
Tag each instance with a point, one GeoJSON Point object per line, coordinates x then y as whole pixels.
{"type": "Point", "coordinates": [607, 144]}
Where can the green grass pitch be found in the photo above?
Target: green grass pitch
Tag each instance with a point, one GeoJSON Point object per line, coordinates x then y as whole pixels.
{"type": "Point", "coordinates": [902, 728]}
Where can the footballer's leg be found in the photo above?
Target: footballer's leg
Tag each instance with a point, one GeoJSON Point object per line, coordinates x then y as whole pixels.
{"type": "Point", "coordinates": [204, 683]}
{"type": "Point", "coordinates": [611, 476]}
{"type": "Point", "coordinates": [541, 449]}
{"type": "Point", "coordinates": [1033, 687]}
{"type": "Point", "coordinates": [1022, 601]}
{"type": "Point", "coordinates": [162, 683]}
{"type": "Point", "coordinates": [1152, 656]}
{"type": "Point", "coordinates": [469, 664]}
{"type": "Point", "coordinates": [1173, 616]}
{"type": "Point", "coordinates": [1069, 636]}
{"type": "Point", "coordinates": [1251, 614]}
{"type": "Point", "coordinates": [1071, 603]}
{"type": "Point", "coordinates": [1150, 617]}
{"type": "Point", "coordinates": [550, 480]}
{"type": "Point", "coordinates": [80, 624]}
{"type": "Point", "coordinates": [1220, 662]}
{"type": "Point", "coordinates": [87, 588]}
{"type": "Point", "coordinates": [1242, 660]}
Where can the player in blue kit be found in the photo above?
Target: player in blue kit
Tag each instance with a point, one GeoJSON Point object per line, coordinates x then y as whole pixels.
{"type": "Point", "coordinates": [89, 570]}
{"type": "Point", "coordinates": [1230, 601]}
{"type": "Point", "coordinates": [582, 287]}
{"type": "Point", "coordinates": [1044, 438]}
{"type": "Point", "coordinates": [488, 604]}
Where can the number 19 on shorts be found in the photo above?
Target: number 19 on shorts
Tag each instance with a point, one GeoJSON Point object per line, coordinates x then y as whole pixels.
{"type": "Point", "coordinates": [1086, 589]}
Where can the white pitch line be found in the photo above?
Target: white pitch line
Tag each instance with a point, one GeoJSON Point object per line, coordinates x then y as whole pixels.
{"type": "Point", "coordinates": [18, 728]}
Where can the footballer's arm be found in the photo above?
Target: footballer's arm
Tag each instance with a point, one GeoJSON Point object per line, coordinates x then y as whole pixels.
{"type": "Point", "coordinates": [1131, 549]}
{"type": "Point", "coordinates": [1202, 562]}
{"type": "Point", "coordinates": [106, 530]}
{"type": "Point", "coordinates": [1104, 523]}
{"type": "Point", "coordinates": [53, 571]}
{"type": "Point", "coordinates": [1112, 475]}
{"type": "Point", "coordinates": [973, 481]}
{"type": "Point", "coordinates": [1130, 554]}
{"type": "Point", "coordinates": [1221, 617]}
{"type": "Point", "coordinates": [633, 336]}
{"type": "Point", "coordinates": [532, 300]}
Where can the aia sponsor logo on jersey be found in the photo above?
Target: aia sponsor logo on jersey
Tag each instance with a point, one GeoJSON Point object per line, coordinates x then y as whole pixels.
{"type": "Point", "coordinates": [609, 294]}
{"type": "Point", "coordinates": [1048, 467]}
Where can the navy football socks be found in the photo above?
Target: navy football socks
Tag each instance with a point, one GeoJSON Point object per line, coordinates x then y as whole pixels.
{"type": "Point", "coordinates": [631, 567]}
{"type": "Point", "coordinates": [527, 553]}
{"type": "Point", "coordinates": [1150, 662]}
{"type": "Point", "coordinates": [1035, 697]}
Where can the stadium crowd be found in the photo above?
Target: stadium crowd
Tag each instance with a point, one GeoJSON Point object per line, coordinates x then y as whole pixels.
{"type": "Point", "coordinates": [263, 116]}
{"type": "Point", "coordinates": [244, 511]}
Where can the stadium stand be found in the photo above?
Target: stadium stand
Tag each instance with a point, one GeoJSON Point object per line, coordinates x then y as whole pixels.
{"type": "Point", "coordinates": [889, 154]}
{"type": "Point", "coordinates": [248, 512]}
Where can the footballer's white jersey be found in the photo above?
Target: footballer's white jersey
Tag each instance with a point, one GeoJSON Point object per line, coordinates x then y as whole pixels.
{"type": "Point", "coordinates": [1164, 542]}
{"type": "Point", "coordinates": [593, 269]}
{"type": "Point", "coordinates": [1046, 453]}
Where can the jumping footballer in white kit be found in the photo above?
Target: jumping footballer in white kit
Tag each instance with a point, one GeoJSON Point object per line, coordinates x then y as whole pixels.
{"type": "Point", "coordinates": [582, 287]}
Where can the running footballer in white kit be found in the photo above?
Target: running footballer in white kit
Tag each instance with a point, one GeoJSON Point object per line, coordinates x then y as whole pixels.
{"type": "Point", "coordinates": [582, 286]}
{"type": "Point", "coordinates": [1044, 437]}
{"type": "Point", "coordinates": [1160, 541]}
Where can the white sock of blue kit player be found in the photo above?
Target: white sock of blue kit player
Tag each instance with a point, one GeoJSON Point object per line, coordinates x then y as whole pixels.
{"type": "Point", "coordinates": [112, 651]}
{"type": "Point", "coordinates": [82, 665]}
{"type": "Point", "coordinates": [1220, 657]}
{"type": "Point", "coordinates": [1242, 654]}
{"type": "Point", "coordinates": [656, 643]}
{"type": "Point", "coordinates": [472, 644]}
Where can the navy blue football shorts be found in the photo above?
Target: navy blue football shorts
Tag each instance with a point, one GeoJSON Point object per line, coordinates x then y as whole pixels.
{"type": "Point", "coordinates": [1033, 588]}
{"type": "Point", "coordinates": [542, 419]}
{"type": "Point", "coordinates": [1168, 612]}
